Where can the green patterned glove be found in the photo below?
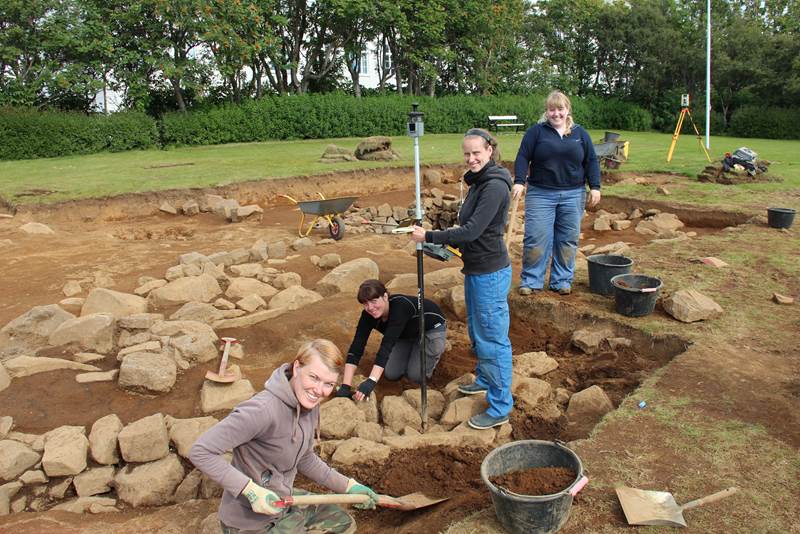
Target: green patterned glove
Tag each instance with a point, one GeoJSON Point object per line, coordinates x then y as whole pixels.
{"type": "Point", "coordinates": [354, 487]}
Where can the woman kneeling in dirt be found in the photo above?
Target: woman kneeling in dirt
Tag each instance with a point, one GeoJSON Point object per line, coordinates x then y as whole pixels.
{"type": "Point", "coordinates": [397, 318]}
{"type": "Point", "coordinates": [272, 437]}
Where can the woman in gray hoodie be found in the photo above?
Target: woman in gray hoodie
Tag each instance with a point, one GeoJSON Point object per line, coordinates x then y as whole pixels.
{"type": "Point", "coordinates": [272, 438]}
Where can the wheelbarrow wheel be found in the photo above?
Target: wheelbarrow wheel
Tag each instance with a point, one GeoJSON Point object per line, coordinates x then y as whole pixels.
{"type": "Point", "coordinates": [337, 228]}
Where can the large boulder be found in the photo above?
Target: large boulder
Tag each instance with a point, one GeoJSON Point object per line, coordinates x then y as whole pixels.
{"type": "Point", "coordinates": [376, 148]}
{"type": "Point", "coordinates": [15, 459]}
{"type": "Point", "coordinates": [357, 450]}
{"type": "Point", "coordinates": [339, 418]}
{"type": "Point", "coordinates": [31, 330]}
{"type": "Point", "coordinates": [534, 364]}
{"type": "Point", "coordinates": [103, 439]}
{"type": "Point", "coordinates": [398, 414]}
{"type": "Point", "coordinates": [214, 396]}
{"type": "Point", "coordinates": [117, 304]}
{"type": "Point", "coordinates": [586, 407]}
{"type": "Point", "coordinates": [294, 297]}
{"type": "Point", "coordinates": [151, 484]}
{"type": "Point", "coordinates": [94, 481]}
{"type": "Point", "coordinates": [462, 409]}
{"type": "Point", "coordinates": [242, 287]}
{"type": "Point", "coordinates": [531, 392]}
{"type": "Point", "coordinates": [201, 312]}
{"type": "Point", "coordinates": [153, 372]}
{"type": "Point", "coordinates": [347, 277]}
{"type": "Point", "coordinates": [184, 432]}
{"type": "Point", "coordinates": [436, 401]}
{"type": "Point", "coordinates": [144, 440]}
{"type": "Point", "coordinates": [65, 451]}
{"type": "Point", "coordinates": [93, 332]}
{"type": "Point", "coordinates": [689, 305]}
{"type": "Point", "coordinates": [203, 288]}
{"type": "Point", "coordinates": [457, 302]}
{"type": "Point", "coordinates": [660, 224]}
{"type": "Point", "coordinates": [442, 278]}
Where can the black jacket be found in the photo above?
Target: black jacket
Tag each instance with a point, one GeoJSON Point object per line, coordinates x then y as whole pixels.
{"type": "Point", "coordinates": [482, 221]}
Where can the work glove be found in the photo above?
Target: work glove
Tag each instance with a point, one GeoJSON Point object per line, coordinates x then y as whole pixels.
{"type": "Point", "coordinates": [366, 387]}
{"type": "Point", "coordinates": [344, 391]}
{"type": "Point", "coordinates": [354, 487]}
{"type": "Point", "coordinates": [261, 499]}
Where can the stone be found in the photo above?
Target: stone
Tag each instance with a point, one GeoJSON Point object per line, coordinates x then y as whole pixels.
{"type": "Point", "coordinates": [140, 321]}
{"type": "Point", "coordinates": [534, 364]}
{"type": "Point", "coordinates": [436, 401]}
{"type": "Point", "coordinates": [195, 348]}
{"type": "Point", "coordinates": [462, 409]}
{"type": "Point", "coordinates": [30, 331]}
{"type": "Point", "coordinates": [619, 248]}
{"type": "Point", "coordinates": [277, 250]}
{"type": "Point", "coordinates": [398, 413]}
{"type": "Point", "coordinates": [714, 262]}
{"type": "Point", "coordinates": [239, 256]}
{"type": "Point", "coordinates": [201, 312]}
{"type": "Point", "coordinates": [456, 302]}
{"type": "Point", "coordinates": [7, 492]}
{"type": "Point", "coordinates": [34, 228]}
{"type": "Point", "coordinates": [689, 305]}
{"type": "Point", "coordinates": [148, 346]}
{"type": "Point", "coordinates": [588, 406]}
{"type": "Point", "coordinates": [531, 392]}
{"type": "Point", "coordinates": [211, 202]}
{"type": "Point", "coordinates": [15, 459]}
{"type": "Point", "coordinates": [661, 190]}
{"type": "Point", "coordinates": [173, 273]}
{"type": "Point", "coordinates": [192, 258]}
{"type": "Point", "coordinates": [448, 277]}
{"type": "Point", "coordinates": [72, 288]}
{"type": "Point", "coordinates": [103, 439]}
{"type": "Point", "coordinates": [87, 357]}
{"type": "Point", "coordinates": [659, 224]}
{"type": "Point", "coordinates": [19, 504]}
{"type": "Point", "coordinates": [30, 365]}
{"type": "Point", "coordinates": [294, 297]}
{"type": "Point", "coordinates": [601, 224]}
{"type": "Point", "coordinates": [347, 277]}
{"type": "Point", "coordinates": [249, 320]}
{"type": "Point", "coordinates": [215, 397]}
{"type": "Point", "coordinates": [217, 271]}
{"type": "Point", "coordinates": [65, 451]}
{"type": "Point", "coordinates": [259, 251]}
{"type": "Point", "coordinates": [223, 304]}
{"type": "Point", "coordinates": [621, 225]}
{"type": "Point", "coordinates": [72, 305]}
{"type": "Point", "coordinates": [329, 261]}
{"type": "Point", "coordinates": [5, 379]}
{"type": "Point", "coordinates": [369, 431]}
{"type": "Point", "coordinates": [151, 484]}
{"type": "Point", "coordinates": [242, 287]}
{"type": "Point", "coordinates": [357, 450]}
{"type": "Point", "coordinates": [94, 481]}
{"type": "Point", "coordinates": [153, 372]}
{"type": "Point", "coordinates": [184, 432]}
{"type": "Point", "coordinates": [776, 298]}
{"type": "Point", "coordinates": [248, 270]}
{"type": "Point", "coordinates": [451, 392]}
{"type": "Point", "coordinates": [589, 340]}
{"type": "Point", "coordinates": [369, 408]}
{"type": "Point", "coordinates": [404, 280]}
{"type": "Point", "coordinates": [6, 424]}
{"type": "Point", "coordinates": [301, 243]}
{"type": "Point", "coordinates": [203, 288]}
{"type": "Point", "coordinates": [30, 478]}
{"type": "Point", "coordinates": [144, 440]}
{"type": "Point", "coordinates": [562, 396]}
{"type": "Point", "coordinates": [431, 177]}
{"type": "Point", "coordinates": [114, 303]}
{"type": "Point", "coordinates": [104, 376]}
{"type": "Point", "coordinates": [34, 441]}
{"type": "Point", "coordinates": [188, 488]}
{"type": "Point", "coordinates": [251, 303]}
{"type": "Point", "coordinates": [286, 280]}
{"type": "Point", "coordinates": [190, 208]}
{"type": "Point", "coordinates": [59, 489]}
{"type": "Point", "coordinates": [94, 505]}
{"type": "Point", "coordinates": [454, 439]}
{"type": "Point", "coordinates": [93, 332]}
{"type": "Point", "coordinates": [166, 207]}
{"type": "Point", "coordinates": [486, 436]}
{"type": "Point", "coordinates": [339, 418]}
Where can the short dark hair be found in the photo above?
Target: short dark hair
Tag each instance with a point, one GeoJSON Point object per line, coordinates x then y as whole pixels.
{"type": "Point", "coordinates": [371, 289]}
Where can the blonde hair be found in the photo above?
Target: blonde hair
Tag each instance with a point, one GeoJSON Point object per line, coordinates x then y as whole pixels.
{"type": "Point", "coordinates": [327, 351]}
{"type": "Point", "coordinates": [488, 138]}
{"type": "Point", "coordinates": [557, 99]}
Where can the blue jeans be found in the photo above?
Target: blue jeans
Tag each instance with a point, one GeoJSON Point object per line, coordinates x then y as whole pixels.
{"type": "Point", "coordinates": [486, 297]}
{"type": "Point", "coordinates": [552, 228]}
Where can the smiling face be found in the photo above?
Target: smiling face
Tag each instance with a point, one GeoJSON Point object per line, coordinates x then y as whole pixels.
{"type": "Point", "coordinates": [557, 116]}
{"type": "Point", "coordinates": [477, 152]}
{"type": "Point", "coordinates": [312, 382]}
{"type": "Point", "coordinates": [378, 307]}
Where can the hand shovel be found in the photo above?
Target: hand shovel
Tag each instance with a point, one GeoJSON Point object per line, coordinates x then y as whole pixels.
{"type": "Point", "coordinates": [643, 507]}
{"type": "Point", "coordinates": [225, 375]}
{"type": "Point", "coordinates": [412, 501]}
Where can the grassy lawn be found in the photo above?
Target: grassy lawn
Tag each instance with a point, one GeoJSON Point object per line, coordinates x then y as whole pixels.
{"type": "Point", "coordinates": [97, 175]}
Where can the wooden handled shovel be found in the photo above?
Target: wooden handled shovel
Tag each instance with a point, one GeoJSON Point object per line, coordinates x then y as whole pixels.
{"type": "Point", "coordinates": [512, 221]}
{"type": "Point", "coordinates": [412, 501]}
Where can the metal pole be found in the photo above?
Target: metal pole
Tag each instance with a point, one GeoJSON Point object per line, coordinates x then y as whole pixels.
{"type": "Point", "coordinates": [708, 74]}
{"type": "Point", "coordinates": [423, 357]}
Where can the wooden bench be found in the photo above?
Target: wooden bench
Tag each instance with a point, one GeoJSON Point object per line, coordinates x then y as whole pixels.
{"type": "Point", "coordinates": [504, 121]}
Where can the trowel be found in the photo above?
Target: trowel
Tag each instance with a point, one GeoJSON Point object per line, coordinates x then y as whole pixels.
{"type": "Point", "coordinates": [225, 375]}
{"type": "Point", "coordinates": [644, 507]}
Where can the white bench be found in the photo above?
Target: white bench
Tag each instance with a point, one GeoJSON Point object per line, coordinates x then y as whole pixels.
{"type": "Point", "coordinates": [504, 121]}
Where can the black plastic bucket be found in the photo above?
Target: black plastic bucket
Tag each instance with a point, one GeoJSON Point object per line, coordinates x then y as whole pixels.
{"type": "Point", "coordinates": [780, 217]}
{"type": "Point", "coordinates": [635, 295]}
{"type": "Point", "coordinates": [604, 267]}
{"type": "Point", "coordinates": [532, 514]}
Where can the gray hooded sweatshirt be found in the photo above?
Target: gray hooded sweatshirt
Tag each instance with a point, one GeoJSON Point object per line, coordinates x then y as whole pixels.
{"type": "Point", "coordinates": [272, 438]}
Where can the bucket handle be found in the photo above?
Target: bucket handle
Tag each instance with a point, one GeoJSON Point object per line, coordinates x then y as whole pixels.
{"type": "Point", "coordinates": [579, 486]}
{"type": "Point", "coordinates": [649, 290]}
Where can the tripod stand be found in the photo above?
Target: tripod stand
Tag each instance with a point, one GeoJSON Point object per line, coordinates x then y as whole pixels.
{"type": "Point", "coordinates": [684, 112]}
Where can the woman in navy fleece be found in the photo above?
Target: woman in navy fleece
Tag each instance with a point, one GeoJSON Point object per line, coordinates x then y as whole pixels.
{"type": "Point", "coordinates": [556, 158]}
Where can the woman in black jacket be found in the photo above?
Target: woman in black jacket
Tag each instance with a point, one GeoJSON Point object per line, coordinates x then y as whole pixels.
{"type": "Point", "coordinates": [487, 273]}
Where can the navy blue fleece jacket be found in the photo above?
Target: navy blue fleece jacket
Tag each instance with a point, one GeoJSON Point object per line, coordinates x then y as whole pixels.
{"type": "Point", "coordinates": [548, 160]}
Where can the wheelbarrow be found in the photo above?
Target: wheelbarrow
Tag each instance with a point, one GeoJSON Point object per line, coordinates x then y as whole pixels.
{"type": "Point", "coordinates": [328, 209]}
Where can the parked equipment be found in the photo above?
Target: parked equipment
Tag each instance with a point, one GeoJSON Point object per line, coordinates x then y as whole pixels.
{"type": "Point", "coordinates": [328, 209]}
{"type": "Point", "coordinates": [612, 152]}
{"type": "Point", "coordinates": [644, 507]}
{"type": "Point", "coordinates": [225, 375]}
{"type": "Point", "coordinates": [412, 501]}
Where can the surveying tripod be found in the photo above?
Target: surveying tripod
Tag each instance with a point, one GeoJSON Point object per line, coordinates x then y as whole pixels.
{"type": "Point", "coordinates": [684, 112]}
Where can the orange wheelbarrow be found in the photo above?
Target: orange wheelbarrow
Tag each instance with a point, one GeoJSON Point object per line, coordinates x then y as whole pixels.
{"type": "Point", "coordinates": [327, 209]}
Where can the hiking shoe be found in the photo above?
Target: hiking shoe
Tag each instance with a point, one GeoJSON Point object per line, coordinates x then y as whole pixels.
{"type": "Point", "coordinates": [483, 421]}
{"type": "Point", "coordinates": [565, 290]}
{"type": "Point", "coordinates": [471, 389]}
{"type": "Point", "coordinates": [525, 291]}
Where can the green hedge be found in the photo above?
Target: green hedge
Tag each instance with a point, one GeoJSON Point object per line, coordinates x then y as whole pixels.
{"type": "Point", "coordinates": [768, 123]}
{"type": "Point", "coordinates": [28, 134]}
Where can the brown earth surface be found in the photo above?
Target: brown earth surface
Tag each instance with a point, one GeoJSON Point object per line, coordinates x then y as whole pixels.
{"type": "Point", "coordinates": [536, 480]}
{"type": "Point", "coordinates": [723, 396]}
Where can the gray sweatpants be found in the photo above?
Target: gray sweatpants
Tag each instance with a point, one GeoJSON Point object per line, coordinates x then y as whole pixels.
{"type": "Point", "coordinates": [405, 357]}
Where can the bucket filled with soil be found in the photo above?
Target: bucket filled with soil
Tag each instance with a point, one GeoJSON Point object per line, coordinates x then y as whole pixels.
{"type": "Point", "coordinates": [635, 295]}
{"type": "Point", "coordinates": [532, 484]}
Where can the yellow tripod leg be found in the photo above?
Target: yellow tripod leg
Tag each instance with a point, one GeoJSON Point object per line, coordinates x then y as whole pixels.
{"type": "Point", "coordinates": [676, 134]}
{"type": "Point", "coordinates": [699, 137]}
